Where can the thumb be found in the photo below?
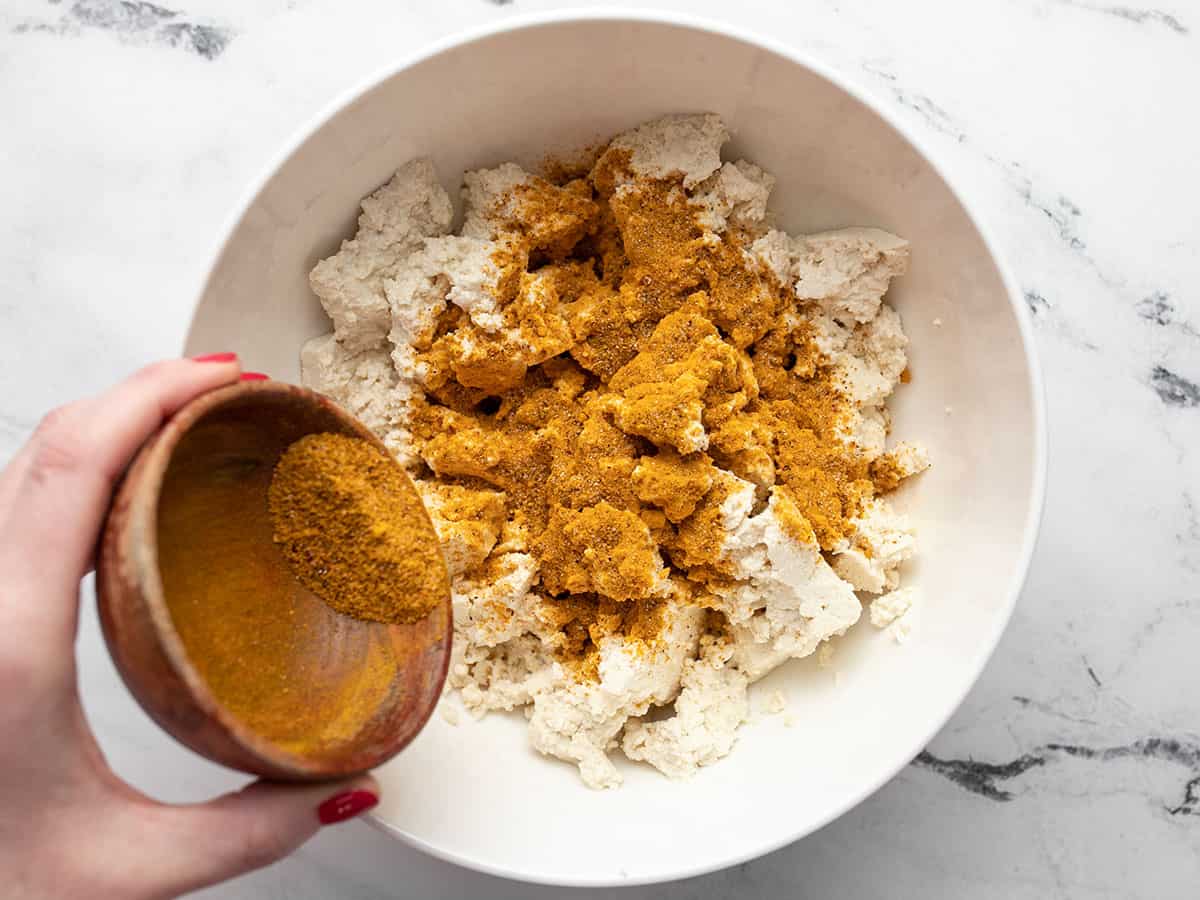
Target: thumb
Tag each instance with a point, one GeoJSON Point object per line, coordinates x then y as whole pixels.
{"type": "Point", "coordinates": [210, 842]}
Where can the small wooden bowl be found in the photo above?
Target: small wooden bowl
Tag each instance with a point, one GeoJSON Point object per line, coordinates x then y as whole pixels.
{"type": "Point", "coordinates": [211, 632]}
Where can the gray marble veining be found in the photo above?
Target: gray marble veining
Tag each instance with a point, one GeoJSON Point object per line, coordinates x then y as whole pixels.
{"type": "Point", "coordinates": [135, 22]}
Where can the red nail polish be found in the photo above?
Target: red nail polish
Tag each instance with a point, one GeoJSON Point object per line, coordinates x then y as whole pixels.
{"type": "Point", "coordinates": [215, 357]}
{"type": "Point", "coordinates": [254, 376]}
{"type": "Point", "coordinates": [345, 806]}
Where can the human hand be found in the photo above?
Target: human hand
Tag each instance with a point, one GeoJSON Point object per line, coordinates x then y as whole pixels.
{"type": "Point", "coordinates": [70, 827]}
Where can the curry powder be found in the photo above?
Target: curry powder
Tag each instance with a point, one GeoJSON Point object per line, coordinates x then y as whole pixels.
{"type": "Point", "coordinates": [639, 355]}
{"type": "Point", "coordinates": [354, 531]}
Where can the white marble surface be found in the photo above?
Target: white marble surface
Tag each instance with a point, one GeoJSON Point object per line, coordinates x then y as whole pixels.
{"type": "Point", "coordinates": [1073, 769]}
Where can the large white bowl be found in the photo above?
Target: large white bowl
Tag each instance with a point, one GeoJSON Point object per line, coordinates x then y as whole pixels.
{"type": "Point", "coordinates": [477, 794]}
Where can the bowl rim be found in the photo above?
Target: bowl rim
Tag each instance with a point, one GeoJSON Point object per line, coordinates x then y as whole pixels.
{"type": "Point", "coordinates": [809, 61]}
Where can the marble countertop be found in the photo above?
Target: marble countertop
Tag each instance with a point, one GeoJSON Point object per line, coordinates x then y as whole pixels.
{"type": "Point", "coordinates": [1073, 768]}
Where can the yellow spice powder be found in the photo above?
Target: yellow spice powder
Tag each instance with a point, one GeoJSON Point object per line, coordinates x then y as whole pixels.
{"type": "Point", "coordinates": [352, 528]}
{"type": "Point", "coordinates": [637, 355]}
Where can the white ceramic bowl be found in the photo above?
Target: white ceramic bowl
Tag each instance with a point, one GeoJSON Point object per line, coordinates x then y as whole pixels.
{"type": "Point", "coordinates": [477, 794]}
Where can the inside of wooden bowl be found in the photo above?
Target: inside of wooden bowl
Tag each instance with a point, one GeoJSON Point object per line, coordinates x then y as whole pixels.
{"type": "Point", "coordinates": [278, 662]}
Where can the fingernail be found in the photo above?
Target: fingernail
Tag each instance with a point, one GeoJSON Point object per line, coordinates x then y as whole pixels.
{"type": "Point", "coordinates": [254, 376]}
{"type": "Point", "coordinates": [215, 357]}
{"type": "Point", "coordinates": [345, 806]}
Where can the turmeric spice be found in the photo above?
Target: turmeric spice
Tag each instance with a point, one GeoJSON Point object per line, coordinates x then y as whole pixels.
{"type": "Point", "coordinates": [638, 356]}
{"type": "Point", "coordinates": [353, 530]}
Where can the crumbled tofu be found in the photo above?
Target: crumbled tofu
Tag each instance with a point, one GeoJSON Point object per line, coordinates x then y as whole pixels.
{"type": "Point", "coordinates": [448, 269]}
{"type": "Point", "coordinates": [687, 145]}
{"type": "Point", "coordinates": [883, 541]}
{"type": "Point", "coordinates": [488, 359]}
{"type": "Point", "coordinates": [395, 222]}
{"type": "Point", "coordinates": [790, 601]}
{"type": "Point", "coordinates": [501, 677]}
{"type": "Point", "coordinates": [580, 722]}
{"type": "Point", "coordinates": [365, 383]}
{"type": "Point", "coordinates": [708, 711]}
{"type": "Point", "coordinates": [867, 429]}
{"type": "Point", "coordinates": [887, 608]}
{"type": "Point", "coordinates": [830, 334]}
{"type": "Point", "coordinates": [484, 194]}
{"type": "Point", "coordinates": [896, 612]}
{"type": "Point", "coordinates": [736, 196]}
{"type": "Point", "coordinates": [468, 521]}
{"type": "Point", "coordinates": [493, 604]}
{"type": "Point", "coordinates": [774, 250]}
{"type": "Point", "coordinates": [903, 461]}
{"type": "Point", "coordinates": [847, 272]}
{"type": "Point", "coordinates": [883, 344]}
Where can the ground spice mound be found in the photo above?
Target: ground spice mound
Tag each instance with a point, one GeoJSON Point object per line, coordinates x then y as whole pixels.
{"type": "Point", "coordinates": [640, 352]}
{"type": "Point", "coordinates": [354, 531]}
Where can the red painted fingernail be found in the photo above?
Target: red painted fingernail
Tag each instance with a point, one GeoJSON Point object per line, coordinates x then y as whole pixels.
{"type": "Point", "coordinates": [254, 376]}
{"type": "Point", "coordinates": [345, 806]}
{"type": "Point", "coordinates": [215, 357]}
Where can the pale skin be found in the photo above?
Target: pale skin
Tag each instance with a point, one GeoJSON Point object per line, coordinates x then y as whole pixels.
{"type": "Point", "coordinates": [70, 827]}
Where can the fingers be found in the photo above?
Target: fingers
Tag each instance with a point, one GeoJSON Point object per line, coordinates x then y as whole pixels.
{"type": "Point", "coordinates": [56, 491]}
{"type": "Point", "coordinates": [194, 846]}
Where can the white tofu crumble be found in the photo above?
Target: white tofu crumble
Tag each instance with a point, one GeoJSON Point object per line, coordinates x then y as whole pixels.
{"type": "Point", "coordinates": [386, 292]}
